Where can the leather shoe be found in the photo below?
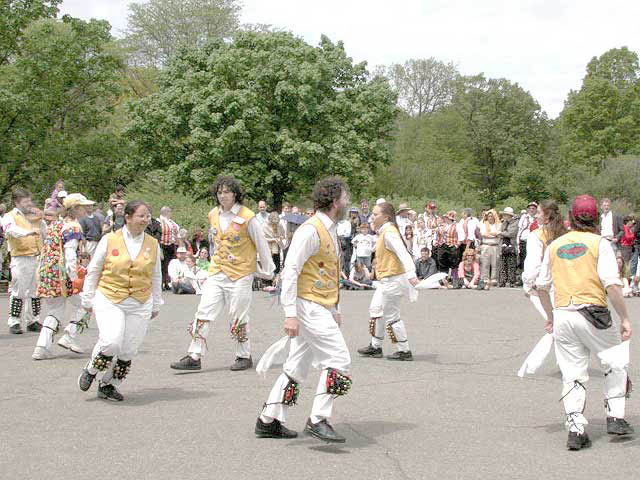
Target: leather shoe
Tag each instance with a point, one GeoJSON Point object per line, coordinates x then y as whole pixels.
{"type": "Point", "coordinates": [241, 364]}
{"type": "Point", "coordinates": [576, 441]}
{"type": "Point", "coordinates": [323, 431]}
{"type": "Point", "coordinates": [187, 363]}
{"type": "Point", "coordinates": [15, 329]}
{"type": "Point", "coordinates": [618, 426]}
{"type": "Point", "coordinates": [274, 429]}
{"type": "Point", "coordinates": [370, 351]}
{"type": "Point", "coordinates": [402, 356]}
{"type": "Point", "coordinates": [34, 327]}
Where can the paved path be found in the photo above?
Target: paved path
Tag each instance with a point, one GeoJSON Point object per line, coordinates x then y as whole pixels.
{"type": "Point", "coordinates": [457, 412]}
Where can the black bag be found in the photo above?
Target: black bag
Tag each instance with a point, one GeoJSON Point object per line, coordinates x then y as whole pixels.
{"type": "Point", "coordinates": [599, 317]}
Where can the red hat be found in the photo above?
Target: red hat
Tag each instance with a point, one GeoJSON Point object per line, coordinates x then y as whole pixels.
{"type": "Point", "coordinates": [585, 206]}
{"type": "Point", "coordinates": [431, 205]}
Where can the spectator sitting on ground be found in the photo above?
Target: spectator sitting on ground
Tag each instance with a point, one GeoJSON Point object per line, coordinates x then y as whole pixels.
{"type": "Point", "coordinates": [426, 269]}
{"type": "Point", "coordinates": [179, 274]}
{"type": "Point", "coordinates": [194, 275]}
{"type": "Point", "coordinates": [469, 270]}
{"type": "Point", "coordinates": [203, 259]}
{"type": "Point", "coordinates": [359, 278]}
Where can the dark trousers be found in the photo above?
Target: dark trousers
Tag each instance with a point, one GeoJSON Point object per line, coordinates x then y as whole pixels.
{"type": "Point", "coordinates": [183, 288]}
{"type": "Point", "coordinates": [168, 254]}
{"type": "Point", "coordinates": [523, 253]}
{"type": "Point", "coordinates": [448, 258]}
{"type": "Point", "coordinates": [508, 267]}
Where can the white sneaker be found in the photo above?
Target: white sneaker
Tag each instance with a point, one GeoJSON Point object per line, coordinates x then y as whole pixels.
{"type": "Point", "coordinates": [70, 344]}
{"type": "Point", "coordinates": [41, 353]}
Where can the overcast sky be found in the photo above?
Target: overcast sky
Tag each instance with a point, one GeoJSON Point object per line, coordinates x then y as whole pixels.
{"type": "Point", "coordinates": [544, 45]}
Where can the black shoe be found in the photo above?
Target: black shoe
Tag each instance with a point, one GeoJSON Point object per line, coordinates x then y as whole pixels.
{"type": "Point", "coordinates": [34, 327]}
{"type": "Point", "coordinates": [402, 356]}
{"type": "Point", "coordinates": [85, 380]}
{"type": "Point", "coordinates": [109, 392]}
{"type": "Point", "coordinates": [187, 363]}
{"type": "Point", "coordinates": [577, 441]}
{"type": "Point", "coordinates": [274, 429]}
{"type": "Point", "coordinates": [370, 351]}
{"type": "Point", "coordinates": [241, 364]}
{"type": "Point", "coordinates": [323, 431]}
{"type": "Point", "coordinates": [15, 329]}
{"type": "Point", "coordinates": [618, 426]}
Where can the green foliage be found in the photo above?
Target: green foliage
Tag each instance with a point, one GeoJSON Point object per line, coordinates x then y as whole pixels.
{"type": "Point", "coordinates": [158, 29]}
{"type": "Point", "coordinates": [158, 190]}
{"type": "Point", "coordinates": [268, 108]}
{"type": "Point", "coordinates": [602, 119]}
{"type": "Point", "coordinates": [55, 101]}
{"type": "Point", "coordinates": [15, 15]}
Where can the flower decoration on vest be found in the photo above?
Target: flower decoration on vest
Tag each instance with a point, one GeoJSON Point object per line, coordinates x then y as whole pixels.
{"type": "Point", "coordinates": [147, 253]}
{"type": "Point", "coordinates": [115, 252]}
{"type": "Point", "coordinates": [236, 227]}
{"type": "Point", "coordinates": [318, 284]}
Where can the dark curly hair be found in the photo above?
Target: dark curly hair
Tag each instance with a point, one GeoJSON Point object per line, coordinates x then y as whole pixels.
{"type": "Point", "coordinates": [326, 191]}
{"type": "Point", "coordinates": [231, 183]}
{"type": "Point", "coordinates": [584, 223]}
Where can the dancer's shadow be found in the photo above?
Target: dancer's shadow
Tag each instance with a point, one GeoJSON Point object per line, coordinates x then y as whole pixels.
{"type": "Point", "coordinates": [147, 396]}
{"type": "Point", "coordinates": [426, 357]}
{"type": "Point", "coordinates": [179, 373]}
{"type": "Point", "coordinates": [358, 434]}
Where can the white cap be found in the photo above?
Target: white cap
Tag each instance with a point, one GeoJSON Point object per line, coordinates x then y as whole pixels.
{"type": "Point", "coordinates": [380, 200]}
{"type": "Point", "coordinates": [62, 194]}
{"type": "Point", "coordinates": [181, 250]}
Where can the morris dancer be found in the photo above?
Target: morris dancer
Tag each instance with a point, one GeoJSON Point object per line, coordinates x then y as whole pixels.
{"type": "Point", "coordinates": [583, 271]}
{"type": "Point", "coordinates": [24, 231]}
{"type": "Point", "coordinates": [310, 291]}
{"type": "Point", "coordinates": [57, 271]}
{"type": "Point", "coordinates": [394, 268]}
{"type": "Point", "coordinates": [238, 237]}
{"type": "Point", "coordinates": [124, 288]}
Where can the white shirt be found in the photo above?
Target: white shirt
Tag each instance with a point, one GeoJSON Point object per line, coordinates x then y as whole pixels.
{"type": "Point", "coordinates": [607, 271]}
{"type": "Point", "coordinates": [532, 262]}
{"type": "Point", "coordinates": [343, 228]}
{"type": "Point", "coordinates": [397, 246]}
{"type": "Point", "coordinates": [402, 223]}
{"type": "Point", "coordinates": [606, 224]}
{"type": "Point", "coordinates": [364, 244]}
{"type": "Point", "coordinates": [304, 244]}
{"type": "Point", "coordinates": [472, 223]}
{"type": "Point", "coordinates": [94, 271]}
{"type": "Point", "coordinates": [524, 227]}
{"type": "Point", "coordinates": [265, 267]}
{"type": "Point", "coordinates": [262, 217]}
{"type": "Point", "coordinates": [177, 269]}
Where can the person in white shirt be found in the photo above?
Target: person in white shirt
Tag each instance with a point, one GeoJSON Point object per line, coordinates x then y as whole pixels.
{"type": "Point", "coordinates": [363, 244]}
{"type": "Point", "coordinates": [402, 218]}
{"type": "Point", "coordinates": [24, 230]}
{"type": "Point", "coordinates": [123, 299]}
{"type": "Point", "coordinates": [583, 271]}
{"type": "Point", "coordinates": [239, 242]}
{"type": "Point", "coordinates": [395, 270]}
{"type": "Point", "coordinates": [467, 228]}
{"type": "Point", "coordinates": [525, 224]}
{"type": "Point", "coordinates": [179, 273]}
{"type": "Point", "coordinates": [310, 293]}
{"type": "Point", "coordinates": [262, 216]}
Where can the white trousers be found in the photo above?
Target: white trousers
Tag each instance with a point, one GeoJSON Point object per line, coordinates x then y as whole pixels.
{"type": "Point", "coordinates": [23, 286]}
{"type": "Point", "coordinates": [220, 293]}
{"type": "Point", "coordinates": [90, 247]}
{"type": "Point", "coordinates": [575, 339]}
{"type": "Point", "coordinates": [121, 330]}
{"type": "Point", "coordinates": [385, 304]}
{"type": "Point", "coordinates": [54, 309]}
{"type": "Point", "coordinates": [319, 343]}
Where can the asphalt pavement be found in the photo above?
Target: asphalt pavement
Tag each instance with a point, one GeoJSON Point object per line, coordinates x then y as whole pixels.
{"type": "Point", "coordinates": [458, 411]}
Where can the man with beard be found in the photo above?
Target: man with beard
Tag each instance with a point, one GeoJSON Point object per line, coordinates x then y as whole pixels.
{"type": "Point", "coordinates": [310, 283]}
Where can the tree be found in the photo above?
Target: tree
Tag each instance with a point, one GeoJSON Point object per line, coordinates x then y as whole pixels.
{"type": "Point", "coordinates": [602, 119]}
{"type": "Point", "coordinates": [55, 99]}
{"type": "Point", "coordinates": [158, 29]}
{"type": "Point", "coordinates": [268, 108]}
{"type": "Point", "coordinates": [423, 85]}
{"type": "Point", "coordinates": [502, 123]}
{"type": "Point", "coordinates": [15, 15]}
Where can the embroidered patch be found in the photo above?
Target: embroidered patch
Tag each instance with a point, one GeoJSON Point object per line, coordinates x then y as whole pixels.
{"type": "Point", "coordinates": [330, 284]}
{"type": "Point", "coordinates": [318, 284]}
{"type": "Point", "coordinates": [322, 271]}
{"type": "Point", "coordinates": [236, 239]}
{"type": "Point", "coordinates": [572, 251]}
{"type": "Point", "coordinates": [236, 227]}
{"type": "Point", "coordinates": [115, 252]}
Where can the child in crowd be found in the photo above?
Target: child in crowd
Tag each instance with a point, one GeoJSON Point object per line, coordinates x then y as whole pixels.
{"type": "Point", "coordinates": [202, 262]}
{"type": "Point", "coordinates": [359, 278]}
{"type": "Point", "coordinates": [363, 244]}
{"type": "Point", "coordinates": [83, 263]}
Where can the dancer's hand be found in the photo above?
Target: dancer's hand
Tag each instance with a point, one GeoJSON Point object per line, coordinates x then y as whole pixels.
{"type": "Point", "coordinates": [154, 314]}
{"type": "Point", "coordinates": [89, 310]}
{"type": "Point", "coordinates": [414, 281]}
{"type": "Point", "coordinates": [337, 316]}
{"type": "Point", "coordinates": [291, 326]}
{"type": "Point", "coordinates": [625, 329]}
{"type": "Point", "coordinates": [548, 325]}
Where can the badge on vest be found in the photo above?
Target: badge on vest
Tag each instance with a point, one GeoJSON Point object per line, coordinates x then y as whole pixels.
{"type": "Point", "coordinates": [214, 231]}
{"type": "Point", "coordinates": [147, 253]}
{"type": "Point", "coordinates": [115, 252]}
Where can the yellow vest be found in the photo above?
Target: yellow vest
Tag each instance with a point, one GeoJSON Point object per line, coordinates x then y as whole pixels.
{"type": "Point", "coordinates": [235, 253]}
{"type": "Point", "coordinates": [123, 277]}
{"type": "Point", "coordinates": [540, 233]}
{"type": "Point", "coordinates": [387, 263]}
{"type": "Point", "coordinates": [319, 281]}
{"type": "Point", "coordinates": [573, 260]}
{"type": "Point", "coordinates": [30, 246]}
